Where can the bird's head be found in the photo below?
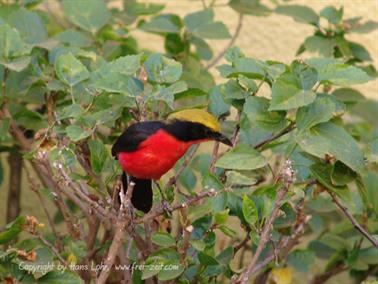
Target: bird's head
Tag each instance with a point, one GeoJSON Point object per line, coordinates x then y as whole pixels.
{"type": "Point", "coordinates": [203, 124]}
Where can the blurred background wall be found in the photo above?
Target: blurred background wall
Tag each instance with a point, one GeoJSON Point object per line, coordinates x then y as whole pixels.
{"type": "Point", "coordinates": [275, 37]}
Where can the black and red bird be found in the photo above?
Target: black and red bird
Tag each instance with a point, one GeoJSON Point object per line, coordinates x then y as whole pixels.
{"type": "Point", "coordinates": [147, 150]}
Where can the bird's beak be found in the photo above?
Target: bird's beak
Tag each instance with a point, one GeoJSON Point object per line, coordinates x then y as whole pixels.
{"type": "Point", "coordinates": [223, 139]}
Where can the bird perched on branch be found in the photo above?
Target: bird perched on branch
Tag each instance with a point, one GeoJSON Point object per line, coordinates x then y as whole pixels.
{"type": "Point", "coordinates": [147, 150]}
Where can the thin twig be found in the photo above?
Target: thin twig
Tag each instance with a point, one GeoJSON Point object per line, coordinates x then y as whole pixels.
{"type": "Point", "coordinates": [231, 43]}
{"type": "Point", "coordinates": [355, 223]}
{"type": "Point", "coordinates": [183, 166]}
{"type": "Point", "coordinates": [288, 129]}
{"type": "Point", "coordinates": [288, 177]}
{"type": "Point", "coordinates": [122, 220]}
{"type": "Point", "coordinates": [53, 249]}
{"type": "Point", "coordinates": [214, 157]}
{"type": "Point", "coordinates": [160, 211]}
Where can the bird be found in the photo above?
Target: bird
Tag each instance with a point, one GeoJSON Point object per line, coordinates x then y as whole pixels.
{"type": "Point", "coordinates": [147, 150]}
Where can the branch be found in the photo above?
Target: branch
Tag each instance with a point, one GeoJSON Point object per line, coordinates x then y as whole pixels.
{"type": "Point", "coordinates": [179, 172]}
{"type": "Point", "coordinates": [231, 43]}
{"type": "Point", "coordinates": [124, 211]}
{"type": "Point", "coordinates": [289, 128]}
{"type": "Point", "coordinates": [356, 225]}
{"type": "Point", "coordinates": [288, 176]}
{"type": "Point", "coordinates": [160, 211]}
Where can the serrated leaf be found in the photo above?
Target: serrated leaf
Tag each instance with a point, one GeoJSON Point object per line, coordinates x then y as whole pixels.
{"type": "Point", "coordinates": [299, 13]}
{"type": "Point", "coordinates": [215, 30]}
{"type": "Point", "coordinates": [29, 25]}
{"type": "Point", "coordinates": [337, 72]}
{"type": "Point", "coordinates": [70, 70]}
{"type": "Point", "coordinates": [331, 139]}
{"type": "Point", "coordinates": [242, 157]}
{"type": "Point", "coordinates": [194, 20]}
{"type": "Point", "coordinates": [249, 7]}
{"type": "Point", "coordinates": [287, 93]}
{"type": "Point", "coordinates": [90, 15]}
{"type": "Point", "coordinates": [256, 109]}
{"type": "Point", "coordinates": [341, 174]}
{"type": "Point", "coordinates": [321, 110]}
{"type": "Point", "coordinates": [333, 15]}
{"type": "Point", "coordinates": [76, 133]}
{"type": "Point", "coordinates": [11, 44]}
{"type": "Point", "coordinates": [249, 211]}
{"type": "Point", "coordinates": [322, 45]}
{"type": "Point", "coordinates": [17, 64]}
{"type": "Point", "coordinates": [161, 24]}
{"type": "Point", "coordinates": [98, 155]}
{"type": "Point", "coordinates": [161, 69]}
{"type": "Point", "coordinates": [74, 38]}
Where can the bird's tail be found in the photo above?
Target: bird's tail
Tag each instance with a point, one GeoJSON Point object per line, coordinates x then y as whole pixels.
{"type": "Point", "coordinates": [142, 193]}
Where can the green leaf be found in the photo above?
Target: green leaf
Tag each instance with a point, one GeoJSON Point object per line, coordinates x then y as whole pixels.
{"type": "Point", "coordinates": [370, 186]}
{"type": "Point", "coordinates": [299, 13]}
{"type": "Point", "coordinates": [98, 155]}
{"type": "Point", "coordinates": [256, 109]}
{"type": "Point", "coordinates": [17, 64]}
{"type": "Point", "coordinates": [250, 67]}
{"type": "Point", "coordinates": [287, 93]}
{"type": "Point", "coordinates": [76, 133]}
{"type": "Point", "coordinates": [201, 25]}
{"type": "Point", "coordinates": [161, 24]}
{"type": "Point", "coordinates": [60, 277]}
{"type": "Point", "coordinates": [166, 94]}
{"type": "Point", "coordinates": [341, 174]}
{"type": "Point", "coordinates": [11, 44]}
{"type": "Point", "coordinates": [195, 20]}
{"type": "Point", "coordinates": [202, 48]}
{"type": "Point", "coordinates": [29, 25]}
{"type": "Point", "coordinates": [221, 217]}
{"type": "Point", "coordinates": [249, 7]}
{"type": "Point", "coordinates": [141, 9]}
{"type": "Point", "coordinates": [232, 90]}
{"type": "Point", "coordinates": [198, 211]}
{"type": "Point", "coordinates": [366, 27]}
{"type": "Point", "coordinates": [215, 30]}
{"type": "Point", "coordinates": [206, 259]}
{"type": "Point", "coordinates": [333, 15]}
{"type": "Point", "coordinates": [70, 70]}
{"type": "Point", "coordinates": [162, 70]}
{"type": "Point", "coordinates": [90, 15]}
{"type": "Point", "coordinates": [322, 45]}
{"type": "Point", "coordinates": [163, 239]}
{"type": "Point", "coordinates": [322, 172]}
{"type": "Point", "coordinates": [348, 95]}
{"type": "Point", "coordinates": [250, 211]}
{"type": "Point", "coordinates": [337, 72]}
{"type": "Point", "coordinates": [242, 157]}
{"type": "Point", "coordinates": [217, 105]}
{"type": "Point", "coordinates": [12, 230]}
{"type": "Point", "coordinates": [331, 139]}
{"type": "Point", "coordinates": [321, 110]}
{"type": "Point", "coordinates": [301, 259]}
{"type": "Point", "coordinates": [172, 270]}
{"type": "Point", "coordinates": [74, 38]}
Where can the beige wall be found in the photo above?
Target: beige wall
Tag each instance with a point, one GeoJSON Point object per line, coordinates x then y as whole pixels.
{"type": "Point", "coordinates": [277, 37]}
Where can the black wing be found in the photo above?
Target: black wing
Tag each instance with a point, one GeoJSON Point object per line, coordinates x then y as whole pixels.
{"type": "Point", "coordinates": [134, 135]}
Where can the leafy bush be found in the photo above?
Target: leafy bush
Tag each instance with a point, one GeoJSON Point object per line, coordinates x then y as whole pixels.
{"type": "Point", "coordinates": [304, 161]}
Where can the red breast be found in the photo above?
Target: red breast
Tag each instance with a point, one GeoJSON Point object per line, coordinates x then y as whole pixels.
{"type": "Point", "coordinates": [154, 157]}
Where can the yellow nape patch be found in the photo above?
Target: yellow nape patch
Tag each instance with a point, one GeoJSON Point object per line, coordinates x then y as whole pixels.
{"type": "Point", "coordinates": [199, 116]}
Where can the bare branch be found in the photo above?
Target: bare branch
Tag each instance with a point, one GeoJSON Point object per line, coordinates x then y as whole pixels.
{"type": "Point", "coordinates": [230, 44]}
{"type": "Point", "coordinates": [353, 220]}
{"type": "Point", "coordinates": [287, 175]}
{"type": "Point", "coordinates": [122, 220]}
